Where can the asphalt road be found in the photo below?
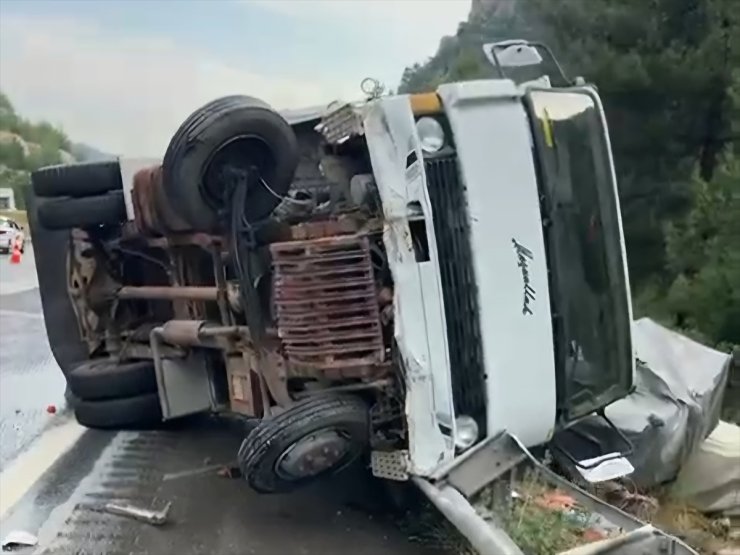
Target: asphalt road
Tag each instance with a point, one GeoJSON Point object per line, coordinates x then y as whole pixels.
{"type": "Point", "coordinates": [30, 380]}
{"type": "Point", "coordinates": [56, 477]}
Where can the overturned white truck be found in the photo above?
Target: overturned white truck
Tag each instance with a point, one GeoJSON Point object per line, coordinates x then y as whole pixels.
{"type": "Point", "coordinates": [436, 282]}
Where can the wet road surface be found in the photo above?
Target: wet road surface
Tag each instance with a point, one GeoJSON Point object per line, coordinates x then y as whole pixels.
{"type": "Point", "coordinates": [30, 379]}
{"type": "Point", "coordinates": [210, 514]}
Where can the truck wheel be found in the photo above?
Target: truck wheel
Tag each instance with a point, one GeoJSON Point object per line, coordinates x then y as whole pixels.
{"type": "Point", "coordinates": [100, 379]}
{"type": "Point", "coordinates": [313, 438]}
{"type": "Point", "coordinates": [66, 213]}
{"type": "Point", "coordinates": [231, 133]}
{"type": "Point", "coordinates": [142, 411]}
{"type": "Point", "coordinates": [77, 180]}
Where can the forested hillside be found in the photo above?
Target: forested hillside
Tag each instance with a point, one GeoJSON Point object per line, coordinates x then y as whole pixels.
{"type": "Point", "coordinates": [669, 75]}
{"type": "Point", "coordinates": [26, 146]}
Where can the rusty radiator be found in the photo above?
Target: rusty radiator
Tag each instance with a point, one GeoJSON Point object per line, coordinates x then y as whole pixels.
{"type": "Point", "coordinates": [327, 305]}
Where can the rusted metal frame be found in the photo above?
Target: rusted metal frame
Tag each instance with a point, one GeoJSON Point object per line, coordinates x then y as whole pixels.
{"type": "Point", "coordinates": [219, 273]}
{"type": "Point", "coordinates": [377, 384]}
{"type": "Point", "coordinates": [203, 240]}
{"type": "Point", "coordinates": [163, 292]}
{"type": "Point", "coordinates": [131, 350]}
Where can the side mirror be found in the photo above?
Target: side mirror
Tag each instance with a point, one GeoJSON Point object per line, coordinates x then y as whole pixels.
{"type": "Point", "coordinates": [514, 53]}
{"type": "Point", "coordinates": [518, 54]}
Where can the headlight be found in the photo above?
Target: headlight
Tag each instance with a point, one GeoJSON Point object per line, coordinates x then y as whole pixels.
{"type": "Point", "coordinates": [466, 432]}
{"type": "Point", "coordinates": [431, 134]}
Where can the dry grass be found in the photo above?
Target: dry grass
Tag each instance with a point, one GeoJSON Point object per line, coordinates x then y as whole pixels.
{"type": "Point", "coordinates": [540, 528]}
{"type": "Point", "coordinates": [705, 535]}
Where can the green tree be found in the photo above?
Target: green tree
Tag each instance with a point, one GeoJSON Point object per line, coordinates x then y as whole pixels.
{"type": "Point", "coordinates": [12, 155]}
{"type": "Point", "coordinates": [703, 252]}
{"type": "Point", "coordinates": [668, 72]}
{"type": "Point", "coordinates": [43, 140]}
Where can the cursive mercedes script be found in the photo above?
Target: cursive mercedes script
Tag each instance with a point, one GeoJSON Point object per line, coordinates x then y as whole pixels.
{"type": "Point", "coordinates": [524, 257]}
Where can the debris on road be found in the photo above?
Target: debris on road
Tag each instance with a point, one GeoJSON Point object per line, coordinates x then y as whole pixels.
{"type": "Point", "coordinates": [17, 539]}
{"type": "Point", "coordinates": [232, 472]}
{"type": "Point", "coordinates": [193, 472]}
{"type": "Point", "coordinates": [51, 409]}
{"type": "Point", "coordinates": [155, 518]}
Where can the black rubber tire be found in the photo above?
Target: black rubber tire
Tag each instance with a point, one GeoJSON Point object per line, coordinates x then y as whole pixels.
{"type": "Point", "coordinates": [270, 438]}
{"type": "Point", "coordinates": [100, 379]}
{"type": "Point", "coordinates": [203, 134]}
{"type": "Point", "coordinates": [142, 411]}
{"type": "Point", "coordinates": [77, 180]}
{"type": "Point", "coordinates": [66, 213]}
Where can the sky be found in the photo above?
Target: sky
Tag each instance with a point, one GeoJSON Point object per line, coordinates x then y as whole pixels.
{"type": "Point", "coordinates": [122, 75]}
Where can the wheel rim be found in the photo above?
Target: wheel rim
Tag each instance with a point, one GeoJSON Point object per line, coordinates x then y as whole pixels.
{"type": "Point", "coordinates": [240, 152]}
{"type": "Point", "coordinates": [314, 454]}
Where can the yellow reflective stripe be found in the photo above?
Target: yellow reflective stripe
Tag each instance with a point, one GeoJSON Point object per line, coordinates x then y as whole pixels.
{"type": "Point", "coordinates": [547, 129]}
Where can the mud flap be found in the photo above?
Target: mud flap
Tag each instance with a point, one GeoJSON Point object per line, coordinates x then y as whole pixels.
{"type": "Point", "coordinates": [452, 491]}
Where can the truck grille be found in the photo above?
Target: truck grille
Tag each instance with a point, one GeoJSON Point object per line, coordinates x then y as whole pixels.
{"type": "Point", "coordinates": [459, 289]}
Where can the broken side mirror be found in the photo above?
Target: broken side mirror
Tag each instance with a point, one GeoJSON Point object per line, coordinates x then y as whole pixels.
{"type": "Point", "coordinates": [523, 61]}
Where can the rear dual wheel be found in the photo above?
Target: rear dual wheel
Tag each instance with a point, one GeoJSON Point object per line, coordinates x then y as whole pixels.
{"type": "Point", "coordinates": [79, 195]}
{"type": "Point", "coordinates": [108, 394]}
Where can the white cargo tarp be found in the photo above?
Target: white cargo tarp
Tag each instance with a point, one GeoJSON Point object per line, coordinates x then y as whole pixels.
{"type": "Point", "coordinates": [710, 479]}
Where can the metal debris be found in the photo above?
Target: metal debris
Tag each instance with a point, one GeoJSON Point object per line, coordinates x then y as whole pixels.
{"type": "Point", "coordinates": [155, 518]}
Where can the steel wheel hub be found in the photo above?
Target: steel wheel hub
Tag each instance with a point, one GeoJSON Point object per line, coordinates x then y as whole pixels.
{"type": "Point", "coordinates": [312, 455]}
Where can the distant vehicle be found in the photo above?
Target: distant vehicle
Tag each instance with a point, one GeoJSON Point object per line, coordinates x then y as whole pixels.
{"type": "Point", "coordinates": [10, 234]}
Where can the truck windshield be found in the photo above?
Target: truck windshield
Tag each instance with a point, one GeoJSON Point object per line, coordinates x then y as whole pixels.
{"type": "Point", "coordinates": [589, 292]}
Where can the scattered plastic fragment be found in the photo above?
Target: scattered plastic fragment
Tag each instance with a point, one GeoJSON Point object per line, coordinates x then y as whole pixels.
{"type": "Point", "coordinates": [51, 409]}
{"type": "Point", "coordinates": [155, 518]}
{"type": "Point", "coordinates": [17, 539]}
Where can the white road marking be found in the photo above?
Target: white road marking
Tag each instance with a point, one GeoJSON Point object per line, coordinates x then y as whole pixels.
{"type": "Point", "coordinates": [21, 313]}
{"type": "Point", "coordinates": [22, 473]}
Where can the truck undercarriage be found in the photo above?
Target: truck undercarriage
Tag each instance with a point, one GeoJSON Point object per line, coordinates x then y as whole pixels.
{"type": "Point", "coordinates": [350, 281]}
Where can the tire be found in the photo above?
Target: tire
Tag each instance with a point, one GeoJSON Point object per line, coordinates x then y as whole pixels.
{"type": "Point", "coordinates": [262, 448]}
{"type": "Point", "coordinates": [142, 411]}
{"type": "Point", "coordinates": [101, 379]}
{"type": "Point", "coordinates": [66, 213]}
{"type": "Point", "coordinates": [77, 180]}
{"type": "Point", "coordinates": [214, 137]}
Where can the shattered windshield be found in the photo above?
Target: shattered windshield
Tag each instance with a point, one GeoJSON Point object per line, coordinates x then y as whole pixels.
{"type": "Point", "coordinates": [589, 291]}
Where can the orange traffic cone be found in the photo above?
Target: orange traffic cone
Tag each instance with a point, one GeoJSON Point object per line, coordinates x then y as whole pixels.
{"type": "Point", "coordinates": [15, 258]}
